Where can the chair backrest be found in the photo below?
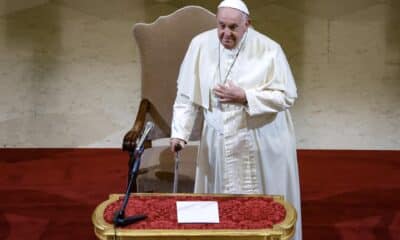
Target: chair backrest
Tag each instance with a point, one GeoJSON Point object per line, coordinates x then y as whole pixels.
{"type": "Point", "coordinates": [162, 46]}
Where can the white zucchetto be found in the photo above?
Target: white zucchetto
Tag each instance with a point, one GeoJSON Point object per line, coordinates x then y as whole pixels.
{"type": "Point", "coordinates": [237, 4]}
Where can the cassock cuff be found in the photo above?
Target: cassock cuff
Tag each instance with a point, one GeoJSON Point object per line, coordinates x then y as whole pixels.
{"type": "Point", "coordinates": [249, 101]}
{"type": "Point", "coordinates": [181, 136]}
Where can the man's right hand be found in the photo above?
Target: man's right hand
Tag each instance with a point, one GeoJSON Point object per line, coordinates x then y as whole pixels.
{"type": "Point", "coordinates": [176, 144]}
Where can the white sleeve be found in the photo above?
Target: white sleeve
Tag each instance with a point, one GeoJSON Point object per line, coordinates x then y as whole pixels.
{"type": "Point", "coordinates": [184, 116]}
{"type": "Point", "coordinates": [278, 93]}
{"type": "Point", "coordinates": [261, 101]}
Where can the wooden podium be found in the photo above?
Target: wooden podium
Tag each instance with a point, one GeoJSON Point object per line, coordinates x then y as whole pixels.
{"type": "Point", "coordinates": [281, 230]}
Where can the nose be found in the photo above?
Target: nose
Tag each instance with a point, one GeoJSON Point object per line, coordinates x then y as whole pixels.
{"type": "Point", "coordinates": [227, 32]}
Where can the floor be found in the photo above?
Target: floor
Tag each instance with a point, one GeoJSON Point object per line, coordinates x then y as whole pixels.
{"type": "Point", "coordinates": [51, 193]}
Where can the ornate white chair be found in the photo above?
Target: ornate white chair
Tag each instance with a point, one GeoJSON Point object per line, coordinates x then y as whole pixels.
{"type": "Point", "coordinates": [162, 46]}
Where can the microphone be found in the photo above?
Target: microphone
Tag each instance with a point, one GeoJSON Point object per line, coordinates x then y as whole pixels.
{"type": "Point", "coordinates": [147, 129]}
{"type": "Point", "coordinates": [139, 147]}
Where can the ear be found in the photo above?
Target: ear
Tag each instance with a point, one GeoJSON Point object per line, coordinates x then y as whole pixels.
{"type": "Point", "coordinates": [248, 22]}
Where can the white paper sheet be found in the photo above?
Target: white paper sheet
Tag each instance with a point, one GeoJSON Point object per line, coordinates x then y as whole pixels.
{"type": "Point", "coordinates": [197, 211]}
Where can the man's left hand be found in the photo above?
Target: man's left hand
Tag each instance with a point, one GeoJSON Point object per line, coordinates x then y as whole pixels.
{"type": "Point", "coordinates": [230, 93]}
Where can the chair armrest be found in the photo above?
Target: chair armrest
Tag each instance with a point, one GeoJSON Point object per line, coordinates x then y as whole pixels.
{"type": "Point", "coordinates": [129, 142]}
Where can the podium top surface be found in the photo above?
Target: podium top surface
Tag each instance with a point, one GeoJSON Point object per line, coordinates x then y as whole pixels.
{"type": "Point", "coordinates": [241, 217]}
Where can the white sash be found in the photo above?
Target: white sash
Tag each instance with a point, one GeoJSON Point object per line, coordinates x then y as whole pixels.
{"type": "Point", "coordinates": [238, 167]}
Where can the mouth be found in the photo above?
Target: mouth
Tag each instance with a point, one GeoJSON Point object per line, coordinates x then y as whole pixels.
{"type": "Point", "coordinates": [227, 42]}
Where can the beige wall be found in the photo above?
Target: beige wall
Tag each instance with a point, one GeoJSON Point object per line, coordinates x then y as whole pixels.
{"type": "Point", "coordinates": [10, 6]}
{"type": "Point", "coordinates": [69, 72]}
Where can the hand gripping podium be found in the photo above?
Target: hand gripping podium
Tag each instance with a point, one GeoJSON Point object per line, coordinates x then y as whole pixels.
{"type": "Point", "coordinates": [244, 217]}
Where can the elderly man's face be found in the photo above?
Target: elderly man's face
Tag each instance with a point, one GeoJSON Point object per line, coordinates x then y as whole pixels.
{"type": "Point", "coordinates": [232, 24]}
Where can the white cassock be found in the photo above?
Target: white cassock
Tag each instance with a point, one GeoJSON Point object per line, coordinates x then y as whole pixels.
{"type": "Point", "coordinates": [244, 148]}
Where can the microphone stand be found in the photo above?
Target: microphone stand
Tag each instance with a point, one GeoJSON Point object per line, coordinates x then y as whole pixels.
{"type": "Point", "coordinates": [119, 217]}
